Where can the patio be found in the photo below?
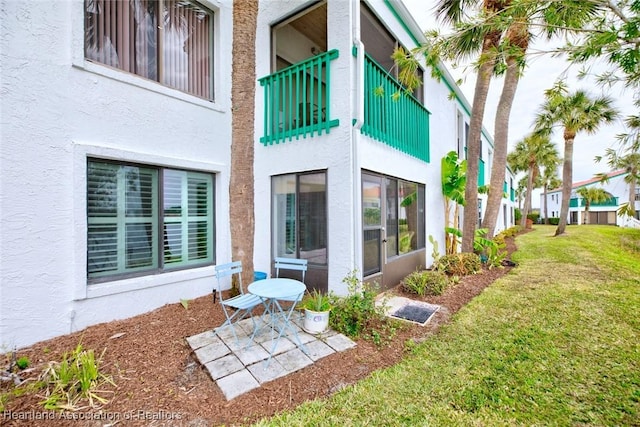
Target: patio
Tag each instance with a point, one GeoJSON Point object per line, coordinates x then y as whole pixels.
{"type": "Point", "coordinates": [237, 369]}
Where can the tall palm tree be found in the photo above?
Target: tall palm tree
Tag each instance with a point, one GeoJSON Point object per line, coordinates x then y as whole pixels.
{"type": "Point", "coordinates": [452, 11]}
{"type": "Point", "coordinates": [550, 19]}
{"type": "Point", "coordinates": [630, 163]}
{"type": "Point", "coordinates": [241, 185]}
{"type": "Point", "coordinates": [574, 112]}
{"type": "Point", "coordinates": [591, 195]}
{"type": "Point", "coordinates": [501, 32]}
{"type": "Point", "coordinates": [549, 180]}
{"type": "Point", "coordinates": [528, 155]}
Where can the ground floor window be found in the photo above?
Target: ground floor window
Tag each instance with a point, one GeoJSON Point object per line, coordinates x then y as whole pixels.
{"type": "Point", "coordinates": [392, 214]}
{"type": "Point", "coordinates": [299, 216]}
{"type": "Point", "coordinates": [142, 219]}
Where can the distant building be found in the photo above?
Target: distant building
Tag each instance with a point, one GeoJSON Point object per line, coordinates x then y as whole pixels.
{"type": "Point", "coordinates": [599, 213]}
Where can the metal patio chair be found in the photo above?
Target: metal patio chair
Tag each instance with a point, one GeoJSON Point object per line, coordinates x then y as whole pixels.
{"type": "Point", "coordinates": [295, 264]}
{"type": "Point", "coordinates": [238, 307]}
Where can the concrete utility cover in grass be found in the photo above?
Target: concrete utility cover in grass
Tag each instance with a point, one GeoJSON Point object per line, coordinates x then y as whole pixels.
{"type": "Point", "coordinates": [415, 313]}
{"type": "Point", "coordinates": [410, 310]}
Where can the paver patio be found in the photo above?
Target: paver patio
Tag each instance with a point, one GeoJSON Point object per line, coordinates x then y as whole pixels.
{"type": "Point", "coordinates": [238, 369]}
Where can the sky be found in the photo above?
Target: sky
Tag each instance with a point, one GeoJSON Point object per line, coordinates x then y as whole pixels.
{"type": "Point", "coordinates": [540, 74]}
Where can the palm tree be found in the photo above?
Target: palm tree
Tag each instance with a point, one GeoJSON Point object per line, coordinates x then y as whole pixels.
{"type": "Point", "coordinates": [630, 163]}
{"type": "Point", "coordinates": [501, 33]}
{"type": "Point", "coordinates": [452, 11]}
{"type": "Point", "coordinates": [549, 180]}
{"type": "Point", "coordinates": [528, 155]}
{"type": "Point", "coordinates": [241, 182]}
{"type": "Point", "coordinates": [591, 195]}
{"type": "Point", "coordinates": [574, 112]}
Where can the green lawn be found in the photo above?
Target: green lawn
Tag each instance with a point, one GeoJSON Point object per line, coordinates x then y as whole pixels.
{"type": "Point", "coordinates": [555, 342]}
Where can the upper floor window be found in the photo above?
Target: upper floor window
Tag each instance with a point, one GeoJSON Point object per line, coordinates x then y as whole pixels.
{"type": "Point", "coordinates": [141, 219]}
{"type": "Point", "coordinates": [168, 41]}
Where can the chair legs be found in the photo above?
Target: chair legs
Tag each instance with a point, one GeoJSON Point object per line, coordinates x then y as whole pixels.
{"type": "Point", "coordinates": [233, 320]}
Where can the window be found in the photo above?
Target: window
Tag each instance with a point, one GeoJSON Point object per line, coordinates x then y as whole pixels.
{"type": "Point", "coordinates": [168, 41]}
{"type": "Point", "coordinates": [299, 205]}
{"type": "Point", "coordinates": [398, 216]}
{"type": "Point", "coordinates": [141, 219]}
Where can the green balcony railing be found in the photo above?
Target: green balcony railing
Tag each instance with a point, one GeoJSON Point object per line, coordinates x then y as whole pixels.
{"type": "Point", "coordinates": [573, 203]}
{"type": "Point", "coordinates": [513, 195]}
{"type": "Point", "coordinates": [392, 116]}
{"type": "Point", "coordinates": [480, 173]}
{"type": "Point", "coordinates": [297, 100]}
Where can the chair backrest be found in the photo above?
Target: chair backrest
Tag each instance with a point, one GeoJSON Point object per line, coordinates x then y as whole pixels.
{"type": "Point", "coordinates": [228, 270]}
{"type": "Point", "coordinates": [291, 264]}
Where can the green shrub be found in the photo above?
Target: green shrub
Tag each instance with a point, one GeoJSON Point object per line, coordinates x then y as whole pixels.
{"type": "Point", "coordinates": [357, 315]}
{"type": "Point", "coordinates": [517, 214]}
{"type": "Point", "coordinates": [554, 221]}
{"type": "Point", "coordinates": [425, 282]}
{"type": "Point", "coordinates": [461, 264]}
{"type": "Point", "coordinates": [534, 217]}
{"type": "Point", "coordinates": [23, 362]}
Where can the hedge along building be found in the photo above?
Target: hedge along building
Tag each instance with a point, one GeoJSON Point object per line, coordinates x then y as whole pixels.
{"type": "Point", "coordinates": [116, 151]}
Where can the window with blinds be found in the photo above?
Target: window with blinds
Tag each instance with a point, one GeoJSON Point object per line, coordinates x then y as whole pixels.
{"type": "Point", "coordinates": [142, 219]}
{"type": "Point", "coordinates": [168, 41]}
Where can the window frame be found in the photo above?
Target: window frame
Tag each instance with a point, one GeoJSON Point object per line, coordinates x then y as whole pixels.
{"type": "Point", "coordinates": [296, 210]}
{"type": "Point", "coordinates": [162, 267]}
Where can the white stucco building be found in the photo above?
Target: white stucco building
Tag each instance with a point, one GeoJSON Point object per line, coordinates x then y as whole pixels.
{"type": "Point", "coordinates": [599, 213]}
{"type": "Point", "coordinates": [115, 153]}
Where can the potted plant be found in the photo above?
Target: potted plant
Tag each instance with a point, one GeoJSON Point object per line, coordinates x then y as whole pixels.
{"type": "Point", "coordinates": [316, 307]}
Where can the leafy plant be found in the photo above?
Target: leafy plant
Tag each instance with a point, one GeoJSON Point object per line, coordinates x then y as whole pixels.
{"type": "Point", "coordinates": [23, 362]}
{"type": "Point", "coordinates": [357, 315]}
{"type": "Point", "coordinates": [491, 250]}
{"type": "Point", "coordinates": [461, 264]}
{"type": "Point", "coordinates": [73, 379]}
{"type": "Point", "coordinates": [435, 254]}
{"type": "Point", "coordinates": [425, 282]}
{"type": "Point", "coordinates": [316, 301]}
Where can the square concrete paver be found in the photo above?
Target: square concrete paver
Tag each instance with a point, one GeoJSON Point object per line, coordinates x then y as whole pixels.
{"type": "Point", "coordinates": [239, 367]}
{"type": "Point", "coordinates": [224, 366]}
{"type": "Point", "coordinates": [237, 383]}
{"type": "Point", "coordinates": [340, 342]}
{"type": "Point", "coordinates": [317, 350]}
{"type": "Point", "coordinates": [293, 360]}
{"type": "Point", "coordinates": [212, 351]}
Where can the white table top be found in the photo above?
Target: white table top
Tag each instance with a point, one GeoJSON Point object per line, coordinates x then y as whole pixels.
{"type": "Point", "coordinates": [277, 288]}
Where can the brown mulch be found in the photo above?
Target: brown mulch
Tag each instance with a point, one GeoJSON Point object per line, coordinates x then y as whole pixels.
{"type": "Point", "coordinates": [160, 383]}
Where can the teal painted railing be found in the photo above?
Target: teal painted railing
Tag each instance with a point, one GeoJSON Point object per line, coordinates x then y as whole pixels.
{"type": "Point", "coordinates": [392, 116]}
{"type": "Point", "coordinates": [480, 173]}
{"type": "Point", "coordinates": [573, 203]}
{"type": "Point", "coordinates": [297, 100]}
{"type": "Point", "coordinates": [513, 195]}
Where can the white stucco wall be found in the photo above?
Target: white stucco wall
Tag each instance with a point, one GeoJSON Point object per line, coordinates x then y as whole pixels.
{"type": "Point", "coordinates": [57, 109]}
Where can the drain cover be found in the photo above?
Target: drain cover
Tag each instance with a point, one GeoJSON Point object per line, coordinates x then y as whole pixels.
{"type": "Point", "coordinates": [416, 313]}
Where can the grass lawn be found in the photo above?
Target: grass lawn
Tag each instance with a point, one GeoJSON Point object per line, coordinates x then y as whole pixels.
{"type": "Point", "coordinates": [555, 342]}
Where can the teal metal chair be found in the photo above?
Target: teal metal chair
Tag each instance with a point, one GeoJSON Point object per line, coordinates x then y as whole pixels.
{"type": "Point", "coordinates": [238, 307]}
{"type": "Point", "coordinates": [295, 264]}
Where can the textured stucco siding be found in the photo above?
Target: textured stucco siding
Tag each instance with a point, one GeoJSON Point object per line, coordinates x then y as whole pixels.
{"type": "Point", "coordinates": [58, 109]}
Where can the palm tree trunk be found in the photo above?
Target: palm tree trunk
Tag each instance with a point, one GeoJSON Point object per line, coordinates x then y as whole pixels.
{"type": "Point", "coordinates": [632, 195]}
{"type": "Point", "coordinates": [501, 136]}
{"type": "Point", "coordinates": [567, 183]}
{"type": "Point", "coordinates": [483, 79]}
{"type": "Point", "coordinates": [241, 180]}
{"type": "Point", "coordinates": [544, 198]}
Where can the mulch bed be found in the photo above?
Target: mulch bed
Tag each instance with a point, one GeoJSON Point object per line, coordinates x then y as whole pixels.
{"type": "Point", "coordinates": [160, 383]}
